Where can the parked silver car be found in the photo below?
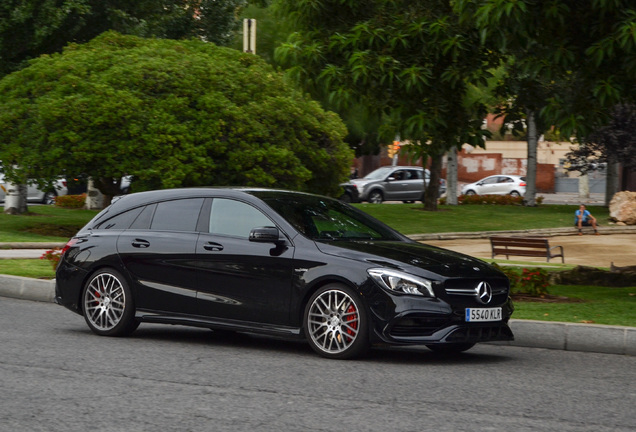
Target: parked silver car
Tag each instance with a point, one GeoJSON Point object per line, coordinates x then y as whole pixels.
{"type": "Point", "coordinates": [497, 185]}
{"type": "Point", "coordinates": [36, 195]}
{"type": "Point", "coordinates": [389, 183]}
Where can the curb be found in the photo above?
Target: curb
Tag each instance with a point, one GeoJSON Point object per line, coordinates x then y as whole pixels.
{"type": "Point", "coordinates": [533, 334]}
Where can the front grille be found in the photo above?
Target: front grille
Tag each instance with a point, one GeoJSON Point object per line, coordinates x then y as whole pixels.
{"type": "Point", "coordinates": [416, 327]}
{"type": "Point", "coordinates": [481, 334]}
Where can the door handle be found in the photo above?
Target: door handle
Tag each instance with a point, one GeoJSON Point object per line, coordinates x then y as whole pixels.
{"type": "Point", "coordinates": [211, 246]}
{"type": "Point", "coordinates": [140, 243]}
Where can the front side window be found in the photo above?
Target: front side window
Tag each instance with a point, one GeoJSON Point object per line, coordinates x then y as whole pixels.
{"type": "Point", "coordinates": [320, 218]}
{"type": "Point", "coordinates": [235, 218]}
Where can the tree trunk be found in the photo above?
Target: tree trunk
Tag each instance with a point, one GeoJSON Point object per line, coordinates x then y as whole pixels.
{"type": "Point", "coordinates": [584, 187]}
{"type": "Point", "coordinates": [612, 184]}
{"type": "Point", "coordinates": [15, 201]}
{"type": "Point", "coordinates": [451, 177]}
{"type": "Point", "coordinates": [94, 198]}
{"type": "Point", "coordinates": [432, 190]}
{"type": "Point", "coordinates": [531, 174]}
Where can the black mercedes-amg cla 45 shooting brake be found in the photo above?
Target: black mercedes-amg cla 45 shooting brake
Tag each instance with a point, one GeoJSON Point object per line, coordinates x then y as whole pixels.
{"type": "Point", "coordinates": [276, 262]}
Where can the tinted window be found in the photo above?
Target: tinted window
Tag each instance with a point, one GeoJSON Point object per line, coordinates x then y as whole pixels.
{"type": "Point", "coordinates": [121, 221]}
{"type": "Point", "coordinates": [325, 219]}
{"type": "Point", "coordinates": [177, 215]}
{"type": "Point", "coordinates": [144, 219]}
{"type": "Point", "coordinates": [235, 218]}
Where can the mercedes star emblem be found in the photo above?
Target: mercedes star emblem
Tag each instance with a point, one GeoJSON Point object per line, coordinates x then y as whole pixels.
{"type": "Point", "coordinates": [483, 292]}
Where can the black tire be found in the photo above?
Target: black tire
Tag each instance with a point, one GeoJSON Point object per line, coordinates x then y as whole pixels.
{"type": "Point", "coordinates": [470, 192]}
{"type": "Point", "coordinates": [49, 198]}
{"type": "Point", "coordinates": [515, 194]}
{"type": "Point", "coordinates": [451, 348]}
{"type": "Point", "coordinates": [335, 323]}
{"type": "Point", "coordinates": [346, 198]}
{"type": "Point", "coordinates": [375, 197]}
{"type": "Point", "coordinates": [107, 304]}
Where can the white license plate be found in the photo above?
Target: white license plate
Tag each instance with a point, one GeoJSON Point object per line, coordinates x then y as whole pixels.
{"type": "Point", "coordinates": [483, 314]}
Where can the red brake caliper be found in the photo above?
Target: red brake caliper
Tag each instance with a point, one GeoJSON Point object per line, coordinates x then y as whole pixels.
{"type": "Point", "coordinates": [352, 316]}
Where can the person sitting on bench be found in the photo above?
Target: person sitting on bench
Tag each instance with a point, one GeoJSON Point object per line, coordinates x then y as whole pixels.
{"type": "Point", "coordinates": [583, 217]}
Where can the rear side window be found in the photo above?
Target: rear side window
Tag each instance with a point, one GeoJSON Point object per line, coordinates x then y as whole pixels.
{"type": "Point", "coordinates": [177, 215]}
{"type": "Point", "coordinates": [120, 222]}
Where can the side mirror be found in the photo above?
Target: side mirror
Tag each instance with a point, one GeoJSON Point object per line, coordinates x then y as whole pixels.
{"type": "Point", "coordinates": [265, 235]}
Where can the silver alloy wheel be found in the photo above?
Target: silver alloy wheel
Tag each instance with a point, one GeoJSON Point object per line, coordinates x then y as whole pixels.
{"type": "Point", "coordinates": [470, 192]}
{"type": "Point", "coordinates": [375, 197]}
{"type": "Point", "coordinates": [515, 194]}
{"type": "Point", "coordinates": [104, 301]}
{"type": "Point", "coordinates": [333, 321]}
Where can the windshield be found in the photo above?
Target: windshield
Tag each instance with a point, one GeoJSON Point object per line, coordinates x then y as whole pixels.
{"type": "Point", "coordinates": [379, 174]}
{"type": "Point", "coordinates": [326, 219]}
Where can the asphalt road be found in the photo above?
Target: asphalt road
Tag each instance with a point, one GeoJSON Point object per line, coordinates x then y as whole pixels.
{"type": "Point", "coordinates": [57, 376]}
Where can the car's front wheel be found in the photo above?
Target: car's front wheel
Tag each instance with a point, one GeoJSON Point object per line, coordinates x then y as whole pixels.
{"type": "Point", "coordinates": [335, 323]}
{"type": "Point", "coordinates": [375, 197]}
{"type": "Point", "coordinates": [108, 304]}
{"type": "Point", "coordinates": [470, 192]}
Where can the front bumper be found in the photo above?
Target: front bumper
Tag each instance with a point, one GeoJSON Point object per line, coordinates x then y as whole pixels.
{"type": "Point", "coordinates": [433, 321]}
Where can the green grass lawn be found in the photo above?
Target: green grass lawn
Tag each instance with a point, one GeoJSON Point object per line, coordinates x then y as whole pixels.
{"type": "Point", "coordinates": [598, 305]}
{"type": "Point", "coordinates": [43, 224]}
{"type": "Point", "coordinates": [411, 219]}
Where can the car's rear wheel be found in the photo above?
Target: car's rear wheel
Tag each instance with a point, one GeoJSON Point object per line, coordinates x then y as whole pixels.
{"type": "Point", "coordinates": [451, 348]}
{"type": "Point", "coordinates": [515, 194]}
{"type": "Point", "coordinates": [49, 198]}
{"type": "Point", "coordinates": [375, 197]}
{"type": "Point", "coordinates": [345, 198]}
{"type": "Point", "coordinates": [335, 323]}
{"type": "Point", "coordinates": [108, 304]}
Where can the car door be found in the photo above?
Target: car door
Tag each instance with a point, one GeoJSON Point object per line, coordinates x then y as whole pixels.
{"type": "Point", "coordinates": [239, 279]}
{"type": "Point", "coordinates": [395, 186]}
{"type": "Point", "coordinates": [414, 185]}
{"type": "Point", "coordinates": [158, 252]}
{"type": "Point", "coordinates": [488, 186]}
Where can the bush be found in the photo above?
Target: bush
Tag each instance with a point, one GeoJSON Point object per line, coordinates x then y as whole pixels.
{"type": "Point", "coordinates": [71, 201]}
{"type": "Point", "coordinates": [53, 256]}
{"type": "Point", "coordinates": [491, 200]}
{"type": "Point", "coordinates": [533, 282]}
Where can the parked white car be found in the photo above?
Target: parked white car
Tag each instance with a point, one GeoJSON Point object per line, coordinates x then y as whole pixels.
{"type": "Point", "coordinates": [36, 195]}
{"type": "Point", "coordinates": [497, 185]}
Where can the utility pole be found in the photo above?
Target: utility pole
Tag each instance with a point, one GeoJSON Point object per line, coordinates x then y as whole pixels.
{"type": "Point", "coordinates": [249, 36]}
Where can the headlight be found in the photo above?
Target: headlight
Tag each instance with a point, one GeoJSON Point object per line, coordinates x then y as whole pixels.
{"type": "Point", "coordinates": [397, 281]}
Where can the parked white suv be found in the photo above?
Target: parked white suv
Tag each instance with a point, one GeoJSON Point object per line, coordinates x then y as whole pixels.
{"type": "Point", "coordinates": [36, 195]}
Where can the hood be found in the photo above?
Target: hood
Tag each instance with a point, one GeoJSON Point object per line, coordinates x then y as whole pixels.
{"type": "Point", "coordinates": [409, 255]}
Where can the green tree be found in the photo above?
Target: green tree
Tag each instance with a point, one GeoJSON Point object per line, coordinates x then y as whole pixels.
{"type": "Point", "coordinates": [29, 28]}
{"type": "Point", "coordinates": [572, 61]}
{"type": "Point", "coordinates": [407, 61]}
{"type": "Point", "coordinates": [170, 113]}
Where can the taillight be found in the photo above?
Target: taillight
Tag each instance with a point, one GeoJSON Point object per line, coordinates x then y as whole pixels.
{"type": "Point", "coordinates": [68, 245]}
{"type": "Point", "coordinates": [522, 184]}
{"type": "Point", "coordinates": [64, 183]}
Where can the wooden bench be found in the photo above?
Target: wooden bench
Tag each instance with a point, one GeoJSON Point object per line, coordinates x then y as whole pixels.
{"type": "Point", "coordinates": [525, 246]}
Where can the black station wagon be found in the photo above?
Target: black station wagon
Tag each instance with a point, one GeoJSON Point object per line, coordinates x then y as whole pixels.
{"type": "Point", "coordinates": [276, 262]}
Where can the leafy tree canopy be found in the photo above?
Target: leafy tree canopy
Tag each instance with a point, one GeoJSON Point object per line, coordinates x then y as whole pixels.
{"type": "Point", "coordinates": [611, 143]}
{"type": "Point", "coordinates": [583, 55]}
{"type": "Point", "coordinates": [29, 28]}
{"type": "Point", "coordinates": [170, 113]}
{"type": "Point", "coordinates": [408, 61]}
